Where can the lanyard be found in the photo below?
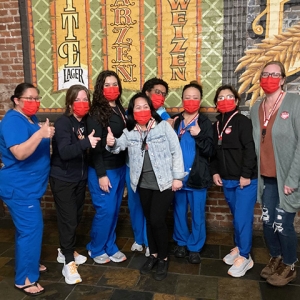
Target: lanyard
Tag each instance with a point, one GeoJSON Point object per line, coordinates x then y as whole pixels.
{"type": "Point", "coordinates": [144, 143]}
{"type": "Point", "coordinates": [183, 129]}
{"type": "Point", "coordinates": [267, 119]}
{"type": "Point", "coordinates": [119, 114]}
{"type": "Point", "coordinates": [220, 135]}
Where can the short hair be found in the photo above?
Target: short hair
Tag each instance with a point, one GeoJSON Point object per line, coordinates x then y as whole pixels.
{"type": "Point", "coordinates": [227, 87]}
{"type": "Point", "coordinates": [149, 84]}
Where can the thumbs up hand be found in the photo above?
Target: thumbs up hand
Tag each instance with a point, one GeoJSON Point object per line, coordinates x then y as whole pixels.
{"type": "Point", "coordinates": [93, 139]}
{"type": "Point", "coordinates": [110, 139]}
{"type": "Point", "coordinates": [46, 130]}
{"type": "Point", "coordinates": [194, 130]}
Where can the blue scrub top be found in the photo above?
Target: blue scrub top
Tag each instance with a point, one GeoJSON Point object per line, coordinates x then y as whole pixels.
{"type": "Point", "coordinates": [28, 178]}
{"type": "Point", "coordinates": [188, 147]}
{"type": "Point", "coordinates": [163, 114]}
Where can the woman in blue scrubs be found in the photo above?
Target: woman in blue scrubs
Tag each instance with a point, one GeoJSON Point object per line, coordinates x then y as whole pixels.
{"type": "Point", "coordinates": [195, 133]}
{"type": "Point", "coordinates": [25, 151]}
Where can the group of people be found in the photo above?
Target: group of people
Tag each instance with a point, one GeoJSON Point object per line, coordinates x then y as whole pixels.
{"type": "Point", "coordinates": [162, 160]}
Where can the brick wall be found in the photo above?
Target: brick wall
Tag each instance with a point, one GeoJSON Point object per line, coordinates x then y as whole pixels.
{"type": "Point", "coordinates": [11, 73]}
{"type": "Point", "coordinates": [11, 55]}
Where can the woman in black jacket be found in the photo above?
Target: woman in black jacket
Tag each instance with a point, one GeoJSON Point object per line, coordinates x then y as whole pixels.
{"type": "Point", "coordinates": [196, 140]}
{"type": "Point", "coordinates": [68, 175]}
{"type": "Point", "coordinates": [234, 167]}
{"type": "Point", "coordinates": [106, 172]}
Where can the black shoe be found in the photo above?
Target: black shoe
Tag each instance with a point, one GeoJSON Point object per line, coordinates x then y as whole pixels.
{"type": "Point", "coordinates": [194, 257]}
{"type": "Point", "coordinates": [180, 251]}
{"type": "Point", "coordinates": [162, 269]}
{"type": "Point", "coordinates": [148, 265]}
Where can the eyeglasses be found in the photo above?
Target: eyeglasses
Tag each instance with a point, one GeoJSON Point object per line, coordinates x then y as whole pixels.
{"type": "Point", "coordinates": [32, 98]}
{"type": "Point", "coordinates": [220, 98]}
{"type": "Point", "coordinates": [159, 92]}
{"type": "Point", "coordinates": [273, 75]}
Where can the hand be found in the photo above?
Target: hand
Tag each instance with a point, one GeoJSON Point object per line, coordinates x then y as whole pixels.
{"type": "Point", "coordinates": [244, 182]}
{"type": "Point", "coordinates": [172, 121]}
{"type": "Point", "coordinates": [104, 184]}
{"type": "Point", "coordinates": [217, 180]}
{"type": "Point", "coordinates": [46, 130]}
{"type": "Point", "coordinates": [194, 130]}
{"type": "Point", "coordinates": [176, 185]}
{"type": "Point", "coordinates": [288, 190]}
{"type": "Point", "coordinates": [110, 139]}
{"type": "Point", "coordinates": [93, 140]}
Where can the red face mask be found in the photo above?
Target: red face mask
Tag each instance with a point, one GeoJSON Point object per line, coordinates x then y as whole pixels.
{"type": "Point", "coordinates": [270, 84]}
{"type": "Point", "coordinates": [157, 100]}
{"type": "Point", "coordinates": [191, 106]}
{"type": "Point", "coordinates": [111, 93]}
{"type": "Point", "coordinates": [81, 108]}
{"type": "Point", "coordinates": [142, 117]}
{"type": "Point", "coordinates": [226, 105]}
{"type": "Point", "coordinates": [30, 108]}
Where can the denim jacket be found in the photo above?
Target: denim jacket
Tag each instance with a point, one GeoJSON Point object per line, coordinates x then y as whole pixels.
{"type": "Point", "coordinates": [164, 152]}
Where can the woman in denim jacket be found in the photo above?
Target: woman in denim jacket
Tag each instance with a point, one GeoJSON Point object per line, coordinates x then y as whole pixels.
{"type": "Point", "coordinates": [156, 170]}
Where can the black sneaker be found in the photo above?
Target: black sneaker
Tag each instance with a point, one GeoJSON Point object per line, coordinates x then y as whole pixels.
{"type": "Point", "coordinates": [162, 269]}
{"type": "Point", "coordinates": [148, 265]}
{"type": "Point", "coordinates": [180, 251]}
{"type": "Point", "coordinates": [194, 257]}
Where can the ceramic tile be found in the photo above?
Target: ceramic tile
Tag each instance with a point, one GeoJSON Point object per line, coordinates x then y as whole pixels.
{"type": "Point", "coordinates": [236, 289]}
{"type": "Point", "coordinates": [131, 295]}
{"type": "Point", "coordinates": [168, 285]}
{"type": "Point", "coordinates": [119, 278]}
{"type": "Point", "coordinates": [197, 286]}
{"type": "Point", "coordinates": [87, 292]}
{"type": "Point", "coordinates": [268, 292]}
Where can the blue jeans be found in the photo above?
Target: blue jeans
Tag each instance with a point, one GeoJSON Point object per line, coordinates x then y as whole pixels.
{"type": "Point", "coordinates": [278, 224]}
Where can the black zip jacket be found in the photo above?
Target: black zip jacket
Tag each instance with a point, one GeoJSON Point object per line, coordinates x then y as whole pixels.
{"type": "Point", "coordinates": [200, 176]}
{"type": "Point", "coordinates": [99, 158]}
{"type": "Point", "coordinates": [69, 152]}
{"type": "Point", "coordinates": [236, 156]}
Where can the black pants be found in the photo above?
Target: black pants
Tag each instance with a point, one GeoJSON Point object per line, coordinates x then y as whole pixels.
{"type": "Point", "coordinates": [155, 207]}
{"type": "Point", "coordinates": [69, 200]}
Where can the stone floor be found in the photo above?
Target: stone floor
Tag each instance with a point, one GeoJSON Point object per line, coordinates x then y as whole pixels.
{"type": "Point", "coordinates": [122, 281]}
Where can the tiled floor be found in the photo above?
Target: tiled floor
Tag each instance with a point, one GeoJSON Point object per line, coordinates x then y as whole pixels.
{"type": "Point", "coordinates": [122, 281]}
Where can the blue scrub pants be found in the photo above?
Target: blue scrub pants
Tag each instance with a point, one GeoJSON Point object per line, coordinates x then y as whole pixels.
{"type": "Point", "coordinates": [196, 199]}
{"type": "Point", "coordinates": [241, 203]}
{"type": "Point", "coordinates": [28, 219]}
{"type": "Point", "coordinates": [107, 206]}
{"type": "Point", "coordinates": [138, 220]}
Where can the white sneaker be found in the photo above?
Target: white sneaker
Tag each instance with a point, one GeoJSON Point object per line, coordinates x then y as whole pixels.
{"type": "Point", "coordinates": [70, 273]}
{"type": "Point", "coordinates": [240, 266]}
{"type": "Point", "coordinates": [101, 259]}
{"type": "Point", "coordinates": [79, 259]}
{"type": "Point", "coordinates": [147, 252]}
{"type": "Point", "coordinates": [136, 247]}
{"type": "Point", "coordinates": [230, 258]}
{"type": "Point", "coordinates": [118, 257]}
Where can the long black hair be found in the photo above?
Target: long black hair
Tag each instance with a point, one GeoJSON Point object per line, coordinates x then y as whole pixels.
{"type": "Point", "coordinates": [100, 108]}
{"type": "Point", "coordinates": [131, 122]}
